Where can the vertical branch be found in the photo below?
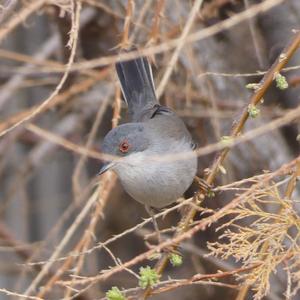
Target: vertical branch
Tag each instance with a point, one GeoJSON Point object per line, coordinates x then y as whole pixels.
{"type": "Point", "coordinates": [129, 13]}
{"type": "Point", "coordinates": [73, 43]}
{"type": "Point", "coordinates": [154, 34]}
{"type": "Point", "coordinates": [181, 42]}
{"type": "Point", "coordinates": [91, 137]}
{"type": "Point", "coordinates": [253, 33]}
{"type": "Point", "coordinates": [117, 108]}
{"type": "Point", "coordinates": [140, 19]}
{"type": "Point", "coordinates": [86, 240]}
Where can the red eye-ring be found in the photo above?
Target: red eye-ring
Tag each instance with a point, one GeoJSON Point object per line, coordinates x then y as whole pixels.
{"type": "Point", "coordinates": [124, 147]}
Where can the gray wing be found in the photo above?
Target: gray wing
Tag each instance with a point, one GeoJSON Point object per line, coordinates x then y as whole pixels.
{"type": "Point", "coordinates": [167, 126]}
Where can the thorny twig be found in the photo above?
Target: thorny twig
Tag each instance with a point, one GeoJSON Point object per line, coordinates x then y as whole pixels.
{"type": "Point", "coordinates": [264, 84]}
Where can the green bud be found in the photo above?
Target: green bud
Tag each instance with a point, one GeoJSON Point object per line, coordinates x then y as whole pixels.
{"type": "Point", "coordinates": [281, 82]}
{"type": "Point", "coordinates": [114, 294]}
{"type": "Point", "coordinates": [176, 260]}
{"type": "Point", "coordinates": [148, 277]}
{"type": "Point", "coordinates": [253, 111]}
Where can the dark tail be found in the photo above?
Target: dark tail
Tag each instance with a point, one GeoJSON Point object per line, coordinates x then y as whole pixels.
{"type": "Point", "coordinates": [137, 85]}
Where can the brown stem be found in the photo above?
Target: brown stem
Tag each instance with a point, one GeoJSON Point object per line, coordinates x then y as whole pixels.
{"type": "Point", "coordinates": [24, 253]}
{"type": "Point", "coordinates": [129, 12]}
{"type": "Point", "coordinates": [264, 84]}
{"type": "Point", "coordinates": [73, 90]}
{"type": "Point", "coordinates": [203, 277]}
{"type": "Point", "coordinates": [292, 183]}
{"type": "Point", "coordinates": [154, 34]}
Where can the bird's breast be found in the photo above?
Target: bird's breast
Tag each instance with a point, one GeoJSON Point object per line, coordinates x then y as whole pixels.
{"type": "Point", "coordinates": [157, 180]}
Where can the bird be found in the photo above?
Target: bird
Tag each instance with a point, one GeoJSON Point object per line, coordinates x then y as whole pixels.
{"type": "Point", "coordinates": [155, 154]}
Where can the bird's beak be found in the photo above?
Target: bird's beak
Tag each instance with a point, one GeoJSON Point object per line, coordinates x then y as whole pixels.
{"type": "Point", "coordinates": [106, 167]}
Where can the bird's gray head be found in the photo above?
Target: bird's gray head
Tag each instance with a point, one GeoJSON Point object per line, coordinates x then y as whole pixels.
{"type": "Point", "coordinates": [122, 142]}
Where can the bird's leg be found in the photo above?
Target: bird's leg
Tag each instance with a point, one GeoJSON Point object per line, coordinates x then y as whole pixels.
{"type": "Point", "coordinates": [204, 186]}
{"type": "Point", "coordinates": [150, 211]}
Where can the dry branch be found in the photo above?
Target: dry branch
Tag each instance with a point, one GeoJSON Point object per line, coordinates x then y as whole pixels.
{"type": "Point", "coordinates": [70, 261]}
{"type": "Point", "coordinates": [264, 84]}
{"type": "Point", "coordinates": [20, 17]}
{"type": "Point", "coordinates": [201, 226]}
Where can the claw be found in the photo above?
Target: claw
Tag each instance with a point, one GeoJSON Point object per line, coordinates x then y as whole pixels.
{"type": "Point", "coordinates": [204, 186]}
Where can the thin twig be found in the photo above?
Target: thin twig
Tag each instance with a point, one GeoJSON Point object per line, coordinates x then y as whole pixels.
{"type": "Point", "coordinates": [20, 17]}
{"type": "Point", "coordinates": [73, 44]}
{"type": "Point", "coordinates": [181, 42]}
{"type": "Point", "coordinates": [281, 61]}
{"type": "Point", "coordinates": [202, 225]}
{"type": "Point", "coordinates": [191, 38]}
{"type": "Point", "coordinates": [59, 99]}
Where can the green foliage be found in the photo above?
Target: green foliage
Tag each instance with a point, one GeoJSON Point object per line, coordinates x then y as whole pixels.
{"type": "Point", "coordinates": [114, 294]}
{"type": "Point", "coordinates": [253, 111]}
{"type": "Point", "coordinates": [148, 277]}
{"type": "Point", "coordinates": [176, 260]}
{"type": "Point", "coordinates": [281, 82]}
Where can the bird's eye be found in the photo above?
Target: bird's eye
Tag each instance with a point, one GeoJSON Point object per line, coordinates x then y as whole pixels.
{"type": "Point", "coordinates": [124, 147]}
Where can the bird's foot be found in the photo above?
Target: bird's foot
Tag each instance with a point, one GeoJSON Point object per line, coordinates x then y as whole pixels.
{"type": "Point", "coordinates": [151, 212]}
{"type": "Point", "coordinates": [205, 187]}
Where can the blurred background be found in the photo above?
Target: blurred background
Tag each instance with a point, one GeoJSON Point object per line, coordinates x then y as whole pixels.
{"type": "Point", "coordinates": [46, 182]}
